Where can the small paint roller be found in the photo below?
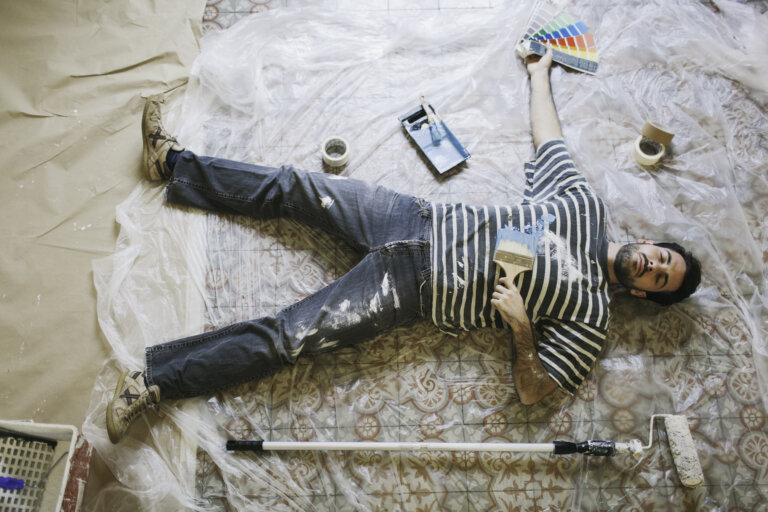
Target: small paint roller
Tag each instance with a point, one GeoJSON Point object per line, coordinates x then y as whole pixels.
{"type": "Point", "coordinates": [514, 251]}
{"type": "Point", "coordinates": [433, 120]}
{"type": "Point", "coordinates": [684, 454]}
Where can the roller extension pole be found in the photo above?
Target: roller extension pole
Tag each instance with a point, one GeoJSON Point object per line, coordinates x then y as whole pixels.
{"type": "Point", "coordinates": [681, 443]}
{"type": "Point", "coordinates": [598, 448]}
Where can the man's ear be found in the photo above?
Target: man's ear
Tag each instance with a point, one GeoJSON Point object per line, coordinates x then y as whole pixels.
{"type": "Point", "coordinates": [638, 293]}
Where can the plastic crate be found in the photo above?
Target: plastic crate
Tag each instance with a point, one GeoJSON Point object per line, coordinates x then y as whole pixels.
{"type": "Point", "coordinates": [51, 460]}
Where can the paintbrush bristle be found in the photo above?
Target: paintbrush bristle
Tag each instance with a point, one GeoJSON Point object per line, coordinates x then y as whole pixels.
{"type": "Point", "coordinates": [514, 251]}
{"type": "Point", "coordinates": [513, 235]}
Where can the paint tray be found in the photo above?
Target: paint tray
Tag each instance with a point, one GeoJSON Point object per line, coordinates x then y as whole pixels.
{"type": "Point", "coordinates": [444, 155]}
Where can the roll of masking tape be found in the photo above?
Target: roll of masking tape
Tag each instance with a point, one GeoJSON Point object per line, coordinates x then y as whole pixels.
{"type": "Point", "coordinates": [647, 151]}
{"type": "Point", "coordinates": [651, 145]}
{"type": "Point", "coordinates": [335, 151]}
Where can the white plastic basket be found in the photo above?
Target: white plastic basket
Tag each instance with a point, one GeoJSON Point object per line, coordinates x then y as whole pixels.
{"type": "Point", "coordinates": [54, 477]}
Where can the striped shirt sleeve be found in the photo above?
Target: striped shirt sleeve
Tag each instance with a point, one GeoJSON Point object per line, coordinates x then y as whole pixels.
{"type": "Point", "coordinates": [551, 173]}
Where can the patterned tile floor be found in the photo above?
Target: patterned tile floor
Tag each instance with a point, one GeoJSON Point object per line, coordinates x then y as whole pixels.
{"type": "Point", "coordinates": [416, 383]}
{"type": "Point", "coordinates": [220, 14]}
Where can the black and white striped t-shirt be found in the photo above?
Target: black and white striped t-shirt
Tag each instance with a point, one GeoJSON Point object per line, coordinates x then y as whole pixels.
{"type": "Point", "coordinates": [566, 292]}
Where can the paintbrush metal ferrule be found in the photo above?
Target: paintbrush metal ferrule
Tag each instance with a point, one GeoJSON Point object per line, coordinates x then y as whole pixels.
{"type": "Point", "coordinates": [515, 259]}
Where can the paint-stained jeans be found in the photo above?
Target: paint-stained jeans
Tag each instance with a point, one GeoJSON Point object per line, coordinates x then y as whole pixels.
{"type": "Point", "coordinates": [385, 290]}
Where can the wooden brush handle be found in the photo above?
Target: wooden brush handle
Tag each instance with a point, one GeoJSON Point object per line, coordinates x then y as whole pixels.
{"type": "Point", "coordinates": [510, 269]}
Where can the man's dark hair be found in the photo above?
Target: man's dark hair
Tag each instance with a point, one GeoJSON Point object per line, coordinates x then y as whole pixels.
{"type": "Point", "coordinates": [691, 278]}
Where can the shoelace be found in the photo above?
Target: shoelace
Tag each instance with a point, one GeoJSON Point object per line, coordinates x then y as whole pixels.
{"type": "Point", "coordinates": [144, 401]}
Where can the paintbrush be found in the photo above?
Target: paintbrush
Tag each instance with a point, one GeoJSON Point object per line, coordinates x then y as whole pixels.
{"type": "Point", "coordinates": [433, 120]}
{"type": "Point", "coordinates": [514, 251]}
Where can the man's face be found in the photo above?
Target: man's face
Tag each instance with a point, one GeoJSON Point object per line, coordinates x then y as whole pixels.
{"type": "Point", "coordinates": [648, 268]}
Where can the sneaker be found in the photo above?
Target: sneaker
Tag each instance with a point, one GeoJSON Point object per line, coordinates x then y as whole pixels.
{"type": "Point", "coordinates": [157, 141]}
{"type": "Point", "coordinates": [131, 399]}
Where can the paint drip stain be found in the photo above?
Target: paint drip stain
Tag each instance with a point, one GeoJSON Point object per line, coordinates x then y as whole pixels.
{"type": "Point", "coordinates": [327, 344]}
{"type": "Point", "coordinates": [559, 251]}
{"type": "Point", "coordinates": [542, 226]}
{"type": "Point", "coordinates": [538, 231]}
{"type": "Point", "coordinates": [386, 287]}
{"type": "Point", "coordinates": [375, 305]}
{"type": "Point", "coordinates": [342, 318]}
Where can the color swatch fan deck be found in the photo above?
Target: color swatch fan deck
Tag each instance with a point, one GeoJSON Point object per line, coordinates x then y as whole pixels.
{"type": "Point", "coordinates": [572, 42]}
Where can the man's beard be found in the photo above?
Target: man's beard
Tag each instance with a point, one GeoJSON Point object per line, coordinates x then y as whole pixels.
{"type": "Point", "coordinates": [622, 265]}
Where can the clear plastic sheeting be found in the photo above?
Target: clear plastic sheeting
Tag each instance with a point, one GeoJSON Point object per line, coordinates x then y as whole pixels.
{"type": "Point", "coordinates": [270, 89]}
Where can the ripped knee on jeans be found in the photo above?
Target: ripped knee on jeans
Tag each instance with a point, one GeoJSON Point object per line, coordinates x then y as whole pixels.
{"type": "Point", "coordinates": [425, 209]}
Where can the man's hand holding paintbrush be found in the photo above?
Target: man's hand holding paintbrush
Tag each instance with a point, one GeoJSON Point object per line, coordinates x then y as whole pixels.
{"type": "Point", "coordinates": [531, 379]}
{"type": "Point", "coordinates": [508, 302]}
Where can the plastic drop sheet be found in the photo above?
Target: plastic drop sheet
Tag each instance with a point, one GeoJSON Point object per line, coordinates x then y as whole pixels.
{"type": "Point", "coordinates": [270, 89]}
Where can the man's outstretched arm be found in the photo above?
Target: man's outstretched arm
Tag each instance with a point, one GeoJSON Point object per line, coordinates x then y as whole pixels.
{"type": "Point", "coordinates": [545, 125]}
{"type": "Point", "coordinates": [531, 379]}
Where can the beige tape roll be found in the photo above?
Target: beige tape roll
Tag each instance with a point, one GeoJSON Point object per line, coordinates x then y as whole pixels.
{"type": "Point", "coordinates": [647, 151]}
{"type": "Point", "coordinates": [651, 145]}
{"type": "Point", "coordinates": [656, 133]}
{"type": "Point", "coordinates": [335, 151]}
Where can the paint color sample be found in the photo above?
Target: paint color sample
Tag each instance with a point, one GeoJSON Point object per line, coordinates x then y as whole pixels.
{"type": "Point", "coordinates": [573, 44]}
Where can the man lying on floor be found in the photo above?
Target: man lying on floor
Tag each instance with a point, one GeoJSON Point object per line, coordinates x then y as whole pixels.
{"type": "Point", "coordinates": [420, 260]}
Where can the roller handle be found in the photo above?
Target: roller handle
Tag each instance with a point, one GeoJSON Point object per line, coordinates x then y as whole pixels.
{"type": "Point", "coordinates": [245, 446]}
{"type": "Point", "coordinates": [595, 447]}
